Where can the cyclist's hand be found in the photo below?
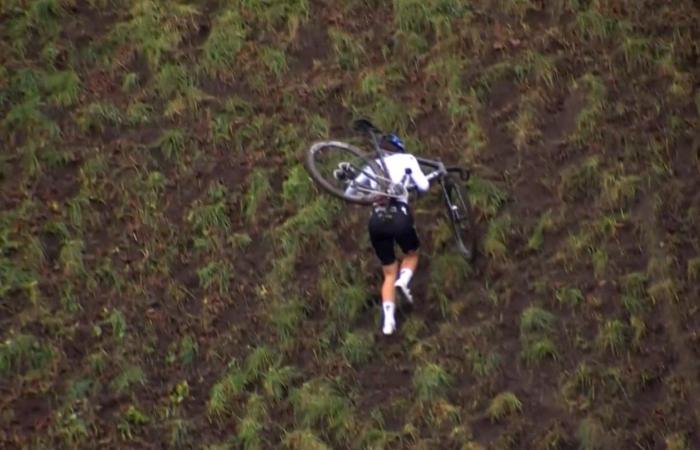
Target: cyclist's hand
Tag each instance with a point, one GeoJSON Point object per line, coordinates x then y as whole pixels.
{"type": "Point", "coordinates": [397, 189]}
{"type": "Point", "coordinates": [340, 175]}
{"type": "Point", "coordinates": [342, 172]}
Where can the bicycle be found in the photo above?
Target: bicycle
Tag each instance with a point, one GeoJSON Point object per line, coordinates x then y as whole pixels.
{"type": "Point", "coordinates": [335, 165]}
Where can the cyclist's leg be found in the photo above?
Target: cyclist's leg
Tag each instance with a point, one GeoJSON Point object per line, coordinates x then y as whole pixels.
{"type": "Point", "coordinates": [384, 248]}
{"type": "Point", "coordinates": [407, 238]}
{"type": "Point", "coordinates": [383, 244]}
{"type": "Point", "coordinates": [390, 272]}
{"type": "Point", "coordinates": [408, 265]}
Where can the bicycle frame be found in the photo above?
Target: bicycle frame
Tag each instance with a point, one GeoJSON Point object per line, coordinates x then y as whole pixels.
{"type": "Point", "coordinates": [378, 150]}
{"type": "Point", "coordinates": [441, 169]}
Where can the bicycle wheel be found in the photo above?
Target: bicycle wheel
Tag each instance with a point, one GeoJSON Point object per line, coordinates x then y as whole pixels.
{"type": "Point", "coordinates": [460, 213]}
{"type": "Point", "coordinates": [362, 180]}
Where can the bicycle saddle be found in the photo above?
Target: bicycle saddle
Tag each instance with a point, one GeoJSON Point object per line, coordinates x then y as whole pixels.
{"type": "Point", "coordinates": [364, 125]}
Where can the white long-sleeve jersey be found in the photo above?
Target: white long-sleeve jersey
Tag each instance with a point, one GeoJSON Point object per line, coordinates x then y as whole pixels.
{"type": "Point", "coordinates": [396, 165]}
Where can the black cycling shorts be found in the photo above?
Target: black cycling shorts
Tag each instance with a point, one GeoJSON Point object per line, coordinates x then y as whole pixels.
{"type": "Point", "coordinates": [389, 225]}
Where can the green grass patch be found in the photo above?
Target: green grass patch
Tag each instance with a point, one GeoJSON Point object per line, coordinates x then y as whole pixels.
{"type": "Point", "coordinates": [581, 182]}
{"type": "Point", "coordinates": [589, 120]}
{"type": "Point", "coordinates": [613, 337]}
{"type": "Point", "coordinates": [304, 439]}
{"type": "Point", "coordinates": [591, 435]}
{"type": "Point", "coordinates": [287, 316]}
{"type": "Point", "coordinates": [258, 192]}
{"type": "Point", "coordinates": [156, 29]}
{"type": "Point", "coordinates": [486, 197]}
{"type": "Point", "coordinates": [483, 365]}
{"type": "Point", "coordinates": [63, 88]}
{"type": "Point", "coordinates": [497, 237]}
{"type": "Point", "coordinates": [544, 223]}
{"type": "Point", "coordinates": [357, 347]}
{"type": "Point", "coordinates": [538, 349]}
{"type": "Point", "coordinates": [129, 377]}
{"type": "Point", "coordinates": [225, 41]}
{"type": "Point", "coordinates": [431, 381]}
{"type": "Point", "coordinates": [318, 404]}
{"type": "Point", "coordinates": [503, 405]}
{"type": "Point", "coordinates": [278, 380]}
{"type": "Point", "coordinates": [430, 18]}
{"type": "Point", "coordinates": [535, 319]}
{"type": "Point", "coordinates": [24, 354]}
{"type": "Point", "coordinates": [348, 51]}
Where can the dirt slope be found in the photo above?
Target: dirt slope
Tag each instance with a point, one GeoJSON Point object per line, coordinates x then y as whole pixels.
{"type": "Point", "coordinates": [170, 277]}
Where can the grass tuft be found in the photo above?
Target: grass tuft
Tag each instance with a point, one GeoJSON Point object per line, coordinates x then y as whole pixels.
{"type": "Point", "coordinates": [225, 41]}
{"type": "Point", "coordinates": [483, 365]}
{"type": "Point", "coordinates": [24, 353]}
{"type": "Point", "coordinates": [348, 51]}
{"type": "Point", "coordinates": [259, 190]}
{"type": "Point", "coordinates": [503, 405]}
{"type": "Point", "coordinates": [591, 435]}
{"type": "Point", "coordinates": [612, 337]}
{"type": "Point", "coordinates": [303, 440]}
{"type": "Point", "coordinates": [216, 274]}
{"type": "Point", "coordinates": [297, 189]}
{"type": "Point", "coordinates": [173, 143]}
{"type": "Point", "coordinates": [637, 52]}
{"type": "Point", "coordinates": [535, 319]}
{"type": "Point", "coordinates": [278, 381]}
{"type": "Point", "coordinates": [537, 349]}
{"type": "Point", "coordinates": [594, 26]}
{"type": "Point", "coordinates": [431, 381]}
{"type": "Point", "coordinates": [693, 269]}
{"type": "Point", "coordinates": [251, 428]}
{"type": "Point", "coordinates": [63, 88]}
{"type": "Point", "coordinates": [427, 18]}
{"type": "Point", "coordinates": [358, 347]}
{"type": "Point", "coordinates": [130, 375]}
{"type": "Point", "coordinates": [71, 257]}
{"type": "Point", "coordinates": [496, 239]}
{"type": "Point", "coordinates": [582, 182]}
{"type": "Point", "coordinates": [569, 296]}
{"type": "Point", "coordinates": [225, 391]}
{"type": "Point", "coordinates": [486, 197]}
{"type": "Point", "coordinates": [526, 125]}
{"type": "Point", "coordinates": [676, 441]}
{"type": "Point", "coordinates": [319, 404]}
{"type": "Point", "coordinates": [664, 290]}
{"type": "Point", "coordinates": [97, 116]}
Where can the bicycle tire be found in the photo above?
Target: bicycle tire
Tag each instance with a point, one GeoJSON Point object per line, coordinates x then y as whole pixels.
{"type": "Point", "coordinates": [462, 219]}
{"type": "Point", "coordinates": [324, 182]}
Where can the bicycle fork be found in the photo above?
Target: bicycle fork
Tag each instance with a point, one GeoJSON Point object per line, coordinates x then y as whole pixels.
{"type": "Point", "coordinates": [453, 209]}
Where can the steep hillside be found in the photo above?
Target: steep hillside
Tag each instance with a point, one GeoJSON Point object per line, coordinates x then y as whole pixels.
{"type": "Point", "coordinates": [171, 278]}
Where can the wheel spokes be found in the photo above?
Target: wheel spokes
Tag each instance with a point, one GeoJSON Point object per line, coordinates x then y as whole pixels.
{"type": "Point", "coordinates": [330, 160]}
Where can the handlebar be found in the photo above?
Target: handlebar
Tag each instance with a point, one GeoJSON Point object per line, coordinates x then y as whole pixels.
{"type": "Point", "coordinates": [464, 174]}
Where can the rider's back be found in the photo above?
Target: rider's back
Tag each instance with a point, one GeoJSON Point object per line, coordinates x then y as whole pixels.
{"type": "Point", "coordinates": [397, 165]}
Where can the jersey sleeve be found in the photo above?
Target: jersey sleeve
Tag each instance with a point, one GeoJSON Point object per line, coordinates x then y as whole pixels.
{"type": "Point", "coordinates": [361, 179]}
{"type": "Point", "coordinates": [418, 176]}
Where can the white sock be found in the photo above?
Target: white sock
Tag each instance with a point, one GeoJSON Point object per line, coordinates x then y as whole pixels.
{"type": "Point", "coordinates": [388, 308]}
{"type": "Point", "coordinates": [405, 275]}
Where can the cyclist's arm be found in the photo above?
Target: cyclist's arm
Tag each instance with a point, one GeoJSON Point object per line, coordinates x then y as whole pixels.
{"type": "Point", "coordinates": [432, 175]}
{"type": "Point", "coordinates": [419, 179]}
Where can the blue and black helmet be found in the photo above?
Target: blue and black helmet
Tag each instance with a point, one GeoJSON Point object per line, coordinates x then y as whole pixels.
{"type": "Point", "coordinates": [393, 142]}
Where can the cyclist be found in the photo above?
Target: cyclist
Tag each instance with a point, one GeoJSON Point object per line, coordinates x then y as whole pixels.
{"type": "Point", "coordinates": [391, 221]}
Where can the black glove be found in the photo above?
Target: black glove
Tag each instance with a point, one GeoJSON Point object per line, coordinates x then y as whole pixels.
{"type": "Point", "coordinates": [343, 172]}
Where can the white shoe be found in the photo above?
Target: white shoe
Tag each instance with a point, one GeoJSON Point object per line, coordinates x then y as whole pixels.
{"type": "Point", "coordinates": [389, 325]}
{"type": "Point", "coordinates": [404, 291]}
